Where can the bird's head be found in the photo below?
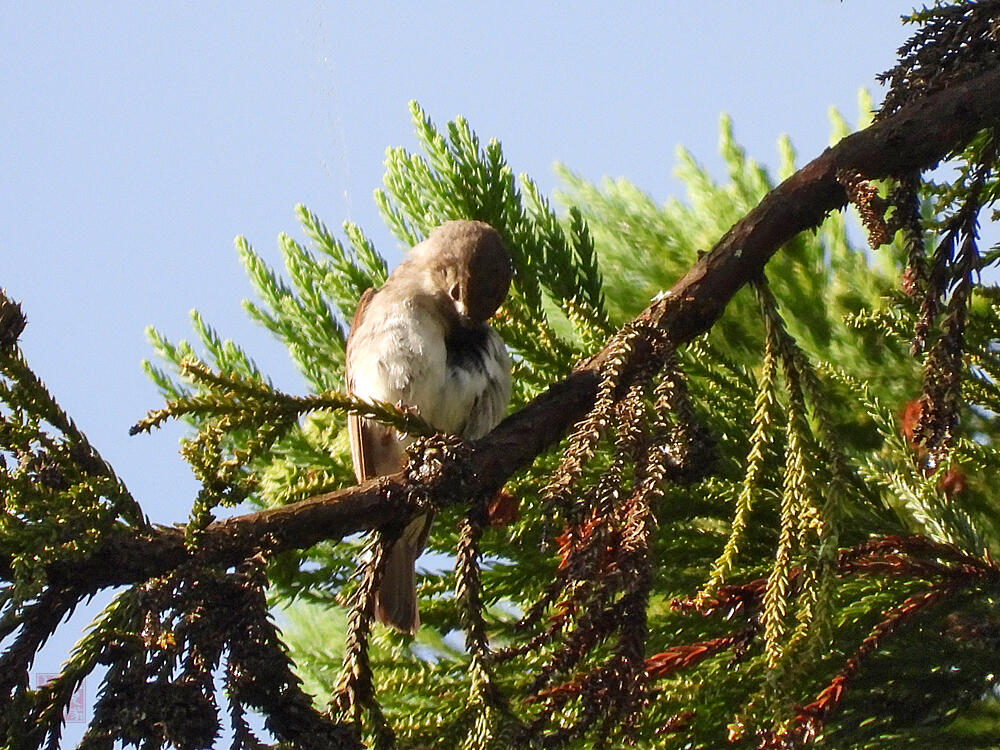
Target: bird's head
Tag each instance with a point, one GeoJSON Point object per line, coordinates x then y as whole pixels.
{"type": "Point", "coordinates": [467, 263]}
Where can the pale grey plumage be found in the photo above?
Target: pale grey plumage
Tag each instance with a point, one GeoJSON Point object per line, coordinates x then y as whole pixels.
{"type": "Point", "coordinates": [421, 340]}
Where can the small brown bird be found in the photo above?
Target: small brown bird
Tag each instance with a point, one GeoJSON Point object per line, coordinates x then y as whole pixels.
{"type": "Point", "coordinates": [421, 341]}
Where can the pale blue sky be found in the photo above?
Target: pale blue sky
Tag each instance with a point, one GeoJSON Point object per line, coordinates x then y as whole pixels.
{"type": "Point", "coordinates": [136, 140]}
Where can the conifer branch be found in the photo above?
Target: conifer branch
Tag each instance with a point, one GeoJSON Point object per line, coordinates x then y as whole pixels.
{"type": "Point", "coordinates": [355, 691]}
{"type": "Point", "coordinates": [917, 136]}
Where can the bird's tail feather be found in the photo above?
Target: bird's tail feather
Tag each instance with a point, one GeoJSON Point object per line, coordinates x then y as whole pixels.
{"type": "Point", "coordinates": [396, 600]}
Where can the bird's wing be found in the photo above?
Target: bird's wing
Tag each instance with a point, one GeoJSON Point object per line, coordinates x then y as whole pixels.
{"type": "Point", "coordinates": [356, 426]}
{"type": "Point", "coordinates": [365, 445]}
{"type": "Point", "coordinates": [375, 448]}
{"type": "Point", "coordinates": [359, 313]}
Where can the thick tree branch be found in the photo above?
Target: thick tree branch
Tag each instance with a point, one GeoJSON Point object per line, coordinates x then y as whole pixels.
{"type": "Point", "coordinates": [915, 138]}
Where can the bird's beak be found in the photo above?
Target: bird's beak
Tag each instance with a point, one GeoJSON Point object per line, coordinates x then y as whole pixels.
{"type": "Point", "coordinates": [463, 315]}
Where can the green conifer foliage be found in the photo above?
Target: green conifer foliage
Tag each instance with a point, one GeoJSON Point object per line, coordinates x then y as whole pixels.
{"type": "Point", "coordinates": [779, 533]}
{"type": "Point", "coordinates": [821, 462]}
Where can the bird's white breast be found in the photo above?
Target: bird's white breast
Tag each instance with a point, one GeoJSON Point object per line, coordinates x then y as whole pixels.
{"type": "Point", "coordinates": [473, 400]}
{"type": "Point", "coordinates": [399, 355]}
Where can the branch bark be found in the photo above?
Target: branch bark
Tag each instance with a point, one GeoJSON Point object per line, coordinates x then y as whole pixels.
{"type": "Point", "coordinates": [914, 138]}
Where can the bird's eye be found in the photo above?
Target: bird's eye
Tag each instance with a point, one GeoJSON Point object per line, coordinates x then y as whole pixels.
{"type": "Point", "coordinates": [455, 292]}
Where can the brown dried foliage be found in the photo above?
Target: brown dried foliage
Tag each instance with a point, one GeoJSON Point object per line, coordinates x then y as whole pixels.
{"type": "Point", "coordinates": [909, 558]}
{"type": "Point", "coordinates": [905, 202]}
{"type": "Point", "coordinates": [871, 207]}
{"type": "Point", "coordinates": [160, 688]}
{"type": "Point", "coordinates": [355, 690]}
{"type": "Point", "coordinates": [605, 572]}
{"type": "Point", "coordinates": [951, 284]}
{"type": "Point", "coordinates": [12, 321]}
{"type": "Point", "coordinates": [676, 658]}
{"type": "Point", "coordinates": [955, 42]}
